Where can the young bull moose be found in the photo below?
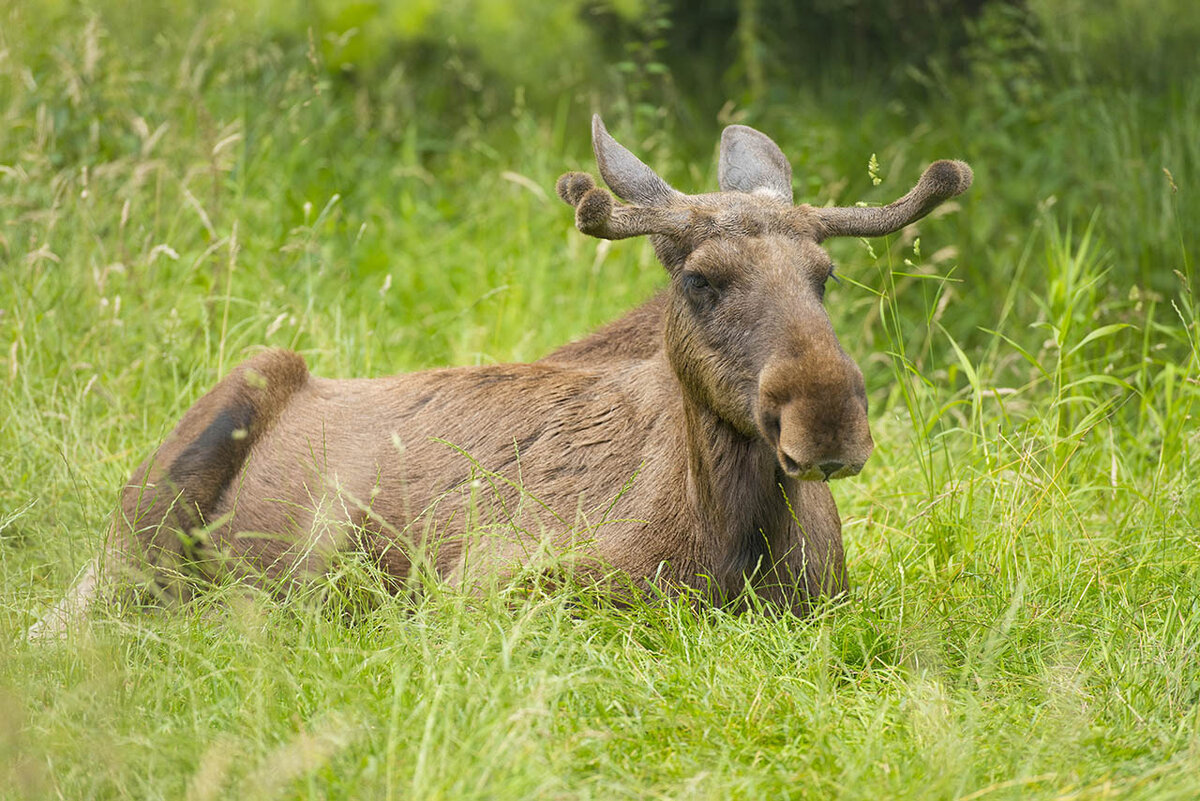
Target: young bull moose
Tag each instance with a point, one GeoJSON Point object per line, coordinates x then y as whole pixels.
{"type": "Point", "coordinates": [686, 445]}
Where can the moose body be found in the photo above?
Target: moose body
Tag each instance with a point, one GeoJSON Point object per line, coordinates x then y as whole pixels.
{"type": "Point", "coordinates": [685, 445]}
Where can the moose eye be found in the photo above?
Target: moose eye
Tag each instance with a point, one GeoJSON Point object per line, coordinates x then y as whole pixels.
{"type": "Point", "coordinates": [694, 282]}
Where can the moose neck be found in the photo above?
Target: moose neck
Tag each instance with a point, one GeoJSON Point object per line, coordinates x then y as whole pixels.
{"type": "Point", "coordinates": [734, 484]}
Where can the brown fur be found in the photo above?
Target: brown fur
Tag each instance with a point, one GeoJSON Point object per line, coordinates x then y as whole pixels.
{"type": "Point", "coordinates": [678, 445]}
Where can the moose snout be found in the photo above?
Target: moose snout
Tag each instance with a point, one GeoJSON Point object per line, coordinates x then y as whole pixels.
{"type": "Point", "coordinates": [818, 428]}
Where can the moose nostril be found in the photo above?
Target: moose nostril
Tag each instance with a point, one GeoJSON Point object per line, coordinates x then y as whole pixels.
{"type": "Point", "coordinates": [829, 468]}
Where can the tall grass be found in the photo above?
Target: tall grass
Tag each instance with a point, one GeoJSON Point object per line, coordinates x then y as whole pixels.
{"type": "Point", "coordinates": [1022, 546]}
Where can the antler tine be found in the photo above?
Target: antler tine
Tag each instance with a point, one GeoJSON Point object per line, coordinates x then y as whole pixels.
{"type": "Point", "coordinates": [598, 214]}
{"type": "Point", "coordinates": [941, 181]}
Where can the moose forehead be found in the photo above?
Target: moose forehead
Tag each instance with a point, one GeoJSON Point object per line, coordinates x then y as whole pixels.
{"type": "Point", "coordinates": [732, 234]}
{"type": "Point", "coordinates": [726, 258]}
{"type": "Point", "coordinates": [737, 214]}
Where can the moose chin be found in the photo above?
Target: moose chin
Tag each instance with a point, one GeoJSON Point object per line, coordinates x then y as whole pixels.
{"type": "Point", "coordinates": [685, 447]}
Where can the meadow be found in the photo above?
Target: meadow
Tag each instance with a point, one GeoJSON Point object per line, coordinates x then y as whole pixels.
{"type": "Point", "coordinates": [181, 188]}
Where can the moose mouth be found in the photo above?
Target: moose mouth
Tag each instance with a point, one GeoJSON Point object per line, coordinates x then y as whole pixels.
{"type": "Point", "coordinates": [822, 471]}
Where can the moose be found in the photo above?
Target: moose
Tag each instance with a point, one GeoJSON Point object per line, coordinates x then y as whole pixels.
{"type": "Point", "coordinates": [685, 447]}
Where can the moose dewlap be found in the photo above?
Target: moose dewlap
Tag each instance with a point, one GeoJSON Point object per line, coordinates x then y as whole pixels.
{"type": "Point", "coordinates": [686, 445]}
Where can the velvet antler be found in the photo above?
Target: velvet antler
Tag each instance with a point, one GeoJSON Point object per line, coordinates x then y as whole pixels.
{"type": "Point", "coordinates": [656, 208]}
{"type": "Point", "coordinates": [941, 181]}
{"type": "Point", "coordinates": [598, 215]}
{"type": "Point", "coordinates": [750, 163]}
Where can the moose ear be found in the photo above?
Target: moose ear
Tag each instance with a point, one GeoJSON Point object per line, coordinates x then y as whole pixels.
{"type": "Point", "coordinates": [751, 162]}
{"type": "Point", "coordinates": [625, 174]}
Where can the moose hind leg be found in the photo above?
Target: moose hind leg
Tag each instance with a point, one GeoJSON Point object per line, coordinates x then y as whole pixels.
{"type": "Point", "coordinates": [56, 622]}
{"type": "Point", "coordinates": [176, 497]}
{"type": "Point", "coordinates": [154, 540]}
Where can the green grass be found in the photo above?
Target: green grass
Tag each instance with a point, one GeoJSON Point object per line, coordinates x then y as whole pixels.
{"type": "Point", "coordinates": [1023, 545]}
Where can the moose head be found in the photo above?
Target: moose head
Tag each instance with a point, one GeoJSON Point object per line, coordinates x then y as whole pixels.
{"type": "Point", "coordinates": [745, 328]}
